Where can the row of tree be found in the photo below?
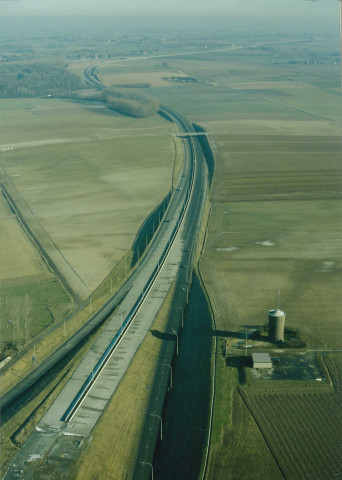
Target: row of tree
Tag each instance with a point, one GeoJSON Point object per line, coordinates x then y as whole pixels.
{"type": "Point", "coordinates": [130, 102]}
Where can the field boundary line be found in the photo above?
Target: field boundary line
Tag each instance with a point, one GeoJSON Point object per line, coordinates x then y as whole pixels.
{"type": "Point", "coordinates": [33, 236]}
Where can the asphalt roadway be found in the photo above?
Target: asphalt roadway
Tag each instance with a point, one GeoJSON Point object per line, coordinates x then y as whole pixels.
{"type": "Point", "coordinates": [54, 435]}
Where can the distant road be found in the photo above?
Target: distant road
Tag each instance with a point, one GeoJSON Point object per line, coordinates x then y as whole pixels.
{"type": "Point", "coordinates": [89, 72]}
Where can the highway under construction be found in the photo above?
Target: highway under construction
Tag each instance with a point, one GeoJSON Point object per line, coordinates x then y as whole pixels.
{"type": "Point", "coordinates": [167, 261]}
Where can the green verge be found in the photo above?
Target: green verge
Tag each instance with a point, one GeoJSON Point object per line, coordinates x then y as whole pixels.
{"type": "Point", "coordinates": [29, 309]}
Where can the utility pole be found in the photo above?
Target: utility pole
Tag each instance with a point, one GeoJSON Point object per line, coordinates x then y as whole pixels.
{"type": "Point", "coordinates": [150, 464]}
{"type": "Point", "coordinates": [34, 355]}
{"type": "Point", "coordinates": [170, 367]}
{"type": "Point", "coordinates": [161, 424]}
{"type": "Point", "coordinates": [341, 38]}
{"type": "Point", "coordinates": [181, 310]}
{"type": "Point", "coordinates": [175, 333]}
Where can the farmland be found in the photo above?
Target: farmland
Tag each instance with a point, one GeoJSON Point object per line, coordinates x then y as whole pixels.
{"type": "Point", "coordinates": [273, 112]}
{"type": "Point", "coordinates": [302, 427]}
{"type": "Point", "coordinates": [78, 181]}
{"type": "Point", "coordinates": [275, 224]}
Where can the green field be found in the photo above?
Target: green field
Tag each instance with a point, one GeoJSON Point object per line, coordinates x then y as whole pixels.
{"type": "Point", "coordinates": [80, 178]}
{"type": "Point", "coordinates": [27, 309]}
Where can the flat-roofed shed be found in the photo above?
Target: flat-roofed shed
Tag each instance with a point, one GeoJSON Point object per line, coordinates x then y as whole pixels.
{"type": "Point", "coordinates": [261, 360]}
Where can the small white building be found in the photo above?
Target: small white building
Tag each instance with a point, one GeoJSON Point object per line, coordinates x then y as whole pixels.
{"type": "Point", "coordinates": [261, 360]}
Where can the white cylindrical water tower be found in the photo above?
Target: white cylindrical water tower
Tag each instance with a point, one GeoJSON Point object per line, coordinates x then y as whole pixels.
{"type": "Point", "coordinates": [276, 325]}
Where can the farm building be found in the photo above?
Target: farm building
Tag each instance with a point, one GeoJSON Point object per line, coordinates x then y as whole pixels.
{"type": "Point", "coordinates": [261, 360]}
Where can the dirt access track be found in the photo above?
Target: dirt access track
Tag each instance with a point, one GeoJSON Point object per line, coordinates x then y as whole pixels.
{"type": "Point", "coordinates": [50, 253]}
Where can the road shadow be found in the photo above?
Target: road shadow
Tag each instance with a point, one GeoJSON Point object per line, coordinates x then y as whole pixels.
{"type": "Point", "coordinates": [148, 228]}
{"type": "Point", "coordinates": [228, 334]}
{"type": "Point", "coordinates": [187, 405]}
{"type": "Point", "coordinates": [164, 335]}
{"type": "Point", "coordinates": [239, 362]}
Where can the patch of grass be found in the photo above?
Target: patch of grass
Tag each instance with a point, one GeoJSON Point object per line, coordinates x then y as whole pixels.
{"type": "Point", "coordinates": [242, 451]}
{"type": "Point", "coordinates": [148, 79]}
{"type": "Point", "coordinates": [27, 310]}
{"type": "Point", "coordinates": [226, 379]}
{"type": "Point", "coordinates": [54, 336]}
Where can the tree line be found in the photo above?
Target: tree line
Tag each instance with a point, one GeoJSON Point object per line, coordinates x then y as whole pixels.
{"type": "Point", "coordinates": [130, 102]}
{"type": "Point", "coordinates": [37, 80]}
{"type": "Point", "coordinates": [42, 79]}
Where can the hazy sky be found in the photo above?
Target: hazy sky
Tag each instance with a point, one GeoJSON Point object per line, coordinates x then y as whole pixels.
{"type": "Point", "coordinates": [229, 7]}
{"type": "Point", "coordinates": [320, 13]}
